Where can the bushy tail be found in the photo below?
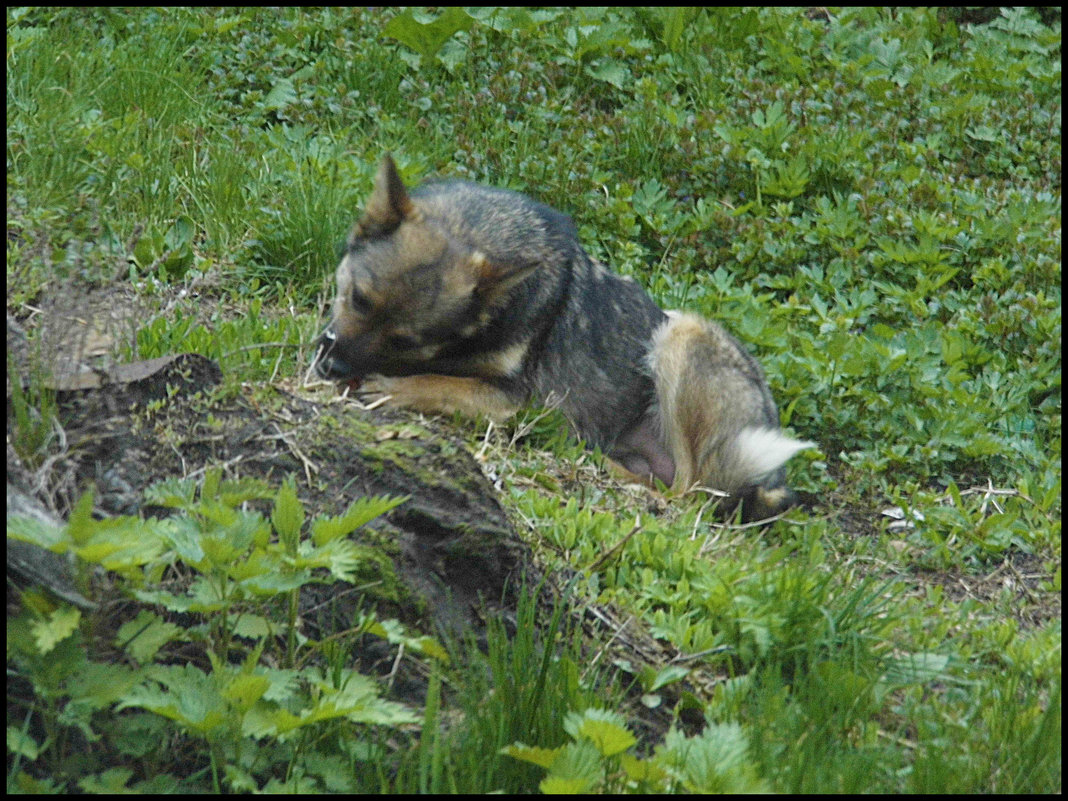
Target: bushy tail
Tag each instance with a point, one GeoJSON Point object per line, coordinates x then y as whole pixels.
{"type": "Point", "coordinates": [758, 453]}
{"type": "Point", "coordinates": [717, 417]}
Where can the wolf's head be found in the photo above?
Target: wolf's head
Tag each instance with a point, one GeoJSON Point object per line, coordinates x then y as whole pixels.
{"type": "Point", "coordinates": [413, 290]}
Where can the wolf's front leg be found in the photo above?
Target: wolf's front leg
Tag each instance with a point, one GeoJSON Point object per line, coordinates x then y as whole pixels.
{"type": "Point", "coordinates": [441, 394]}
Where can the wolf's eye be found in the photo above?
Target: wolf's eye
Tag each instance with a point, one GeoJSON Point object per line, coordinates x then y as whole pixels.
{"type": "Point", "coordinates": [361, 304]}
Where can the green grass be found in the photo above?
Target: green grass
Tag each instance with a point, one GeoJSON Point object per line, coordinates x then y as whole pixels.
{"type": "Point", "coordinates": [870, 200]}
{"type": "Point", "coordinates": [510, 688]}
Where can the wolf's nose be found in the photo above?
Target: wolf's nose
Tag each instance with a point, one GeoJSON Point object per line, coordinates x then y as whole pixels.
{"type": "Point", "coordinates": [328, 364]}
{"type": "Point", "coordinates": [333, 369]}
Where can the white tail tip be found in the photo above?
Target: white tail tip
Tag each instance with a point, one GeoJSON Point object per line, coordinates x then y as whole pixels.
{"type": "Point", "coordinates": [762, 450]}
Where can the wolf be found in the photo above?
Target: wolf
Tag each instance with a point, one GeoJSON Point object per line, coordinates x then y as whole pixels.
{"type": "Point", "coordinates": [455, 296]}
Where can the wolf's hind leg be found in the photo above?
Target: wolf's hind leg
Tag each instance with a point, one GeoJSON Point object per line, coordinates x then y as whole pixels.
{"type": "Point", "coordinates": [640, 452]}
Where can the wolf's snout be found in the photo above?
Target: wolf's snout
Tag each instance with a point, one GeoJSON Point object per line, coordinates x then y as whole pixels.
{"type": "Point", "coordinates": [328, 362]}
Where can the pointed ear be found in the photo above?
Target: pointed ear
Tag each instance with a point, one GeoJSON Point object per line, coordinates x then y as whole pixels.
{"type": "Point", "coordinates": [389, 204]}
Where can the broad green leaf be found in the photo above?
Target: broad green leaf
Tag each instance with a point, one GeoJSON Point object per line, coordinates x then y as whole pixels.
{"type": "Point", "coordinates": [80, 522]}
{"type": "Point", "coordinates": [98, 685]}
{"type": "Point", "coordinates": [604, 728]}
{"type": "Point", "coordinates": [642, 770]}
{"type": "Point", "coordinates": [668, 675]}
{"type": "Point", "coordinates": [110, 782]}
{"type": "Point", "coordinates": [576, 769]}
{"type": "Point", "coordinates": [209, 487]}
{"type": "Point", "coordinates": [543, 757]}
{"type": "Point", "coordinates": [363, 510]}
{"type": "Point", "coordinates": [38, 532]}
{"type": "Point", "coordinates": [674, 20]}
{"type": "Point", "coordinates": [288, 516]}
{"type": "Point", "coordinates": [234, 492]}
{"type": "Point", "coordinates": [612, 72]}
{"type": "Point", "coordinates": [393, 631]}
{"type": "Point", "coordinates": [255, 627]}
{"type": "Point", "coordinates": [558, 785]}
{"type": "Point", "coordinates": [143, 636]}
{"type": "Point", "coordinates": [426, 38]}
{"type": "Point", "coordinates": [282, 94]}
{"type": "Point", "coordinates": [18, 742]}
{"type": "Point", "coordinates": [915, 669]}
{"type": "Point", "coordinates": [714, 761]}
{"type": "Point", "coordinates": [264, 722]}
{"type": "Point", "coordinates": [57, 627]}
{"type": "Point", "coordinates": [184, 694]}
{"type": "Point", "coordinates": [244, 690]}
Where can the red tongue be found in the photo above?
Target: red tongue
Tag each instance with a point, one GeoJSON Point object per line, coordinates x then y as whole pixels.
{"type": "Point", "coordinates": [353, 384]}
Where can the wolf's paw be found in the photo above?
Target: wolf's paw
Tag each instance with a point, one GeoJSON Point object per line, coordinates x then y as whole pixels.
{"type": "Point", "coordinates": [376, 390]}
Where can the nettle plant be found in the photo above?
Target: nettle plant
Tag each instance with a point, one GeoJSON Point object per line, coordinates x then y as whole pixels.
{"type": "Point", "coordinates": [264, 698]}
{"type": "Point", "coordinates": [599, 759]}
